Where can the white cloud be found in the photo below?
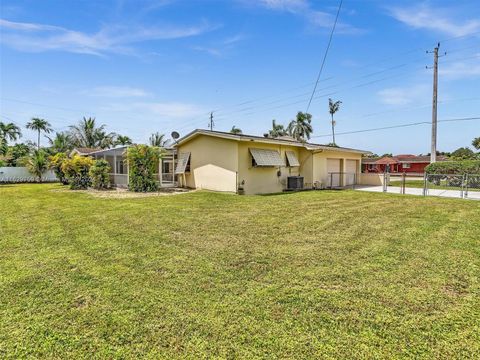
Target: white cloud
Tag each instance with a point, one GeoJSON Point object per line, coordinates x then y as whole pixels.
{"type": "Point", "coordinates": [316, 18]}
{"type": "Point", "coordinates": [113, 39]}
{"type": "Point", "coordinates": [220, 48]}
{"type": "Point", "coordinates": [116, 92]}
{"type": "Point", "coordinates": [404, 95]}
{"type": "Point", "coordinates": [172, 110]}
{"type": "Point", "coordinates": [426, 17]}
{"type": "Point", "coordinates": [461, 70]}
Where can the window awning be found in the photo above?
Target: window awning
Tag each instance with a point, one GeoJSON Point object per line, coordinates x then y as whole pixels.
{"type": "Point", "coordinates": [292, 158]}
{"type": "Point", "coordinates": [182, 162]}
{"type": "Point", "coordinates": [266, 157]}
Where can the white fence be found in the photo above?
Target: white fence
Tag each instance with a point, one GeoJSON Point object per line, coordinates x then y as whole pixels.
{"type": "Point", "coordinates": [21, 175]}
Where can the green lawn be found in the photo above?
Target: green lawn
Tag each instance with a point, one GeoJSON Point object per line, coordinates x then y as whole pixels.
{"type": "Point", "coordinates": [329, 274]}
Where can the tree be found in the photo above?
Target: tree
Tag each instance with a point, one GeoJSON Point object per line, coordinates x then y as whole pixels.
{"type": "Point", "coordinates": [476, 143]}
{"type": "Point", "coordinates": [158, 140]}
{"type": "Point", "coordinates": [142, 167]}
{"type": "Point", "coordinates": [62, 142]}
{"type": "Point", "coordinates": [463, 153]}
{"type": "Point", "coordinates": [235, 130]}
{"type": "Point", "coordinates": [37, 163]}
{"type": "Point", "coordinates": [17, 152]}
{"type": "Point", "coordinates": [276, 131]}
{"type": "Point", "coordinates": [333, 107]}
{"type": "Point", "coordinates": [39, 125]}
{"type": "Point", "coordinates": [87, 134]}
{"type": "Point", "coordinates": [123, 140]}
{"type": "Point", "coordinates": [99, 174]}
{"type": "Point", "coordinates": [301, 128]}
{"type": "Point", "coordinates": [8, 131]}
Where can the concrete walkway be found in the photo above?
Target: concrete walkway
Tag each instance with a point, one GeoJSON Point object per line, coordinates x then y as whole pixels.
{"type": "Point", "coordinates": [472, 195]}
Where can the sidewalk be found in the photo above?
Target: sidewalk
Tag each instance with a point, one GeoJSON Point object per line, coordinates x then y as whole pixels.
{"type": "Point", "coordinates": [472, 195]}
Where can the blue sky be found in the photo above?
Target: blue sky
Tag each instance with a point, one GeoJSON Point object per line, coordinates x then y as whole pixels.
{"type": "Point", "coordinates": [163, 65]}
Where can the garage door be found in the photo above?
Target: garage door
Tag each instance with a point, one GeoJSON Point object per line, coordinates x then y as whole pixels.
{"type": "Point", "coordinates": [333, 170]}
{"type": "Point", "coordinates": [351, 170]}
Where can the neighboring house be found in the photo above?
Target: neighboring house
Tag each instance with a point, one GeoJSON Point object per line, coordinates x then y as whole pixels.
{"type": "Point", "coordinates": [222, 161]}
{"type": "Point", "coordinates": [83, 151]}
{"type": "Point", "coordinates": [116, 158]}
{"type": "Point", "coordinates": [411, 164]}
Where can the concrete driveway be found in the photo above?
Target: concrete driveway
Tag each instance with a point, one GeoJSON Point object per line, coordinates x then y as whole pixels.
{"type": "Point", "coordinates": [472, 195]}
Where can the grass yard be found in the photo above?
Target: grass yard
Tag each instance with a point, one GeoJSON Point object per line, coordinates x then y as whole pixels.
{"type": "Point", "coordinates": [330, 274]}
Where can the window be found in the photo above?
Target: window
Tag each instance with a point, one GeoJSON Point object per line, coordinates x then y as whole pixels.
{"type": "Point", "coordinates": [183, 163]}
{"type": "Point", "coordinates": [406, 165]}
{"type": "Point", "coordinates": [371, 166]}
{"type": "Point", "coordinates": [120, 166]}
{"type": "Point", "coordinates": [292, 160]}
{"type": "Point", "coordinates": [266, 157]}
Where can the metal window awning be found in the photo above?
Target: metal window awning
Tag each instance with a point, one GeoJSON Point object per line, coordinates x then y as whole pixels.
{"type": "Point", "coordinates": [182, 162]}
{"type": "Point", "coordinates": [266, 157]}
{"type": "Point", "coordinates": [292, 159]}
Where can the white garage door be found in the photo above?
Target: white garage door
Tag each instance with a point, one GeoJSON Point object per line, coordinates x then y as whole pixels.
{"type": "Point", "coordinates": [333, 170]}
{"type": "Point", "coordinates": [351, 170]}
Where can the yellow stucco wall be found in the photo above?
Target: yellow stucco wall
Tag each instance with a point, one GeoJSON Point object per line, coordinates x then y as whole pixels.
{"type": "Point", "coordinates": [222, 164]}
{"type": "Point", "coordinates": [213, 164]}
{"type": "Point", "coordinates": [263, 180]}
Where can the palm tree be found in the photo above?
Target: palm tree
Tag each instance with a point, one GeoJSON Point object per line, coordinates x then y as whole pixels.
{"type": "Point", "coordinates": [62, 142]}
{"type": "Point", "coordinates": [276, 131]}
{"type": "Point", "coordinates": [123, 140]}
{"type": "Point", "coordinates": [235, 130]}
{"type": "Point", "coordinates": [476, 143]}
{"type": "Point", "coordinates": [87, 134]}
{"type": "Point", "coordinates": [333, 107]}
{"type": "Point", "coordinates": [37, 163]}
{"type": "Point", "coordinates": [158, 140]}
{"type": "Point", "coordinates": [10, 131]}
{"type": "Point", "coordinates": [39, 125]}
{"type": "Point", "coordinates": [301, 128]}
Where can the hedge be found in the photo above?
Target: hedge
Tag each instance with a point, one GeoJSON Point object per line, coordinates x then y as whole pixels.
{"type": "Point", "coordinates": [454, 167]}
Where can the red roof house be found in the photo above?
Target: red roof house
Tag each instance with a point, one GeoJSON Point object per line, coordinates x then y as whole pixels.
{"type": "Point", "coordinates": [404, 163]}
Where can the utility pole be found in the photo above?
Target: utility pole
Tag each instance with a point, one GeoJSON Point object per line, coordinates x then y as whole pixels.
{"type": "Point", "coordinates": [433, 150]}
{"type": "Point", "coordinates": [212, 124]}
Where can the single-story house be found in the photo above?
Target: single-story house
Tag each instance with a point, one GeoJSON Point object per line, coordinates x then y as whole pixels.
{"type": "Point", "coordinates": [116, 158]}
{"type": "Point", "coordinates": [223, 161]}
{"type": "Point", "coordinates": [411, 164]}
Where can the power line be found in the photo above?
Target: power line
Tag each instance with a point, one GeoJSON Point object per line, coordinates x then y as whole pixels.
{"type": "Point", "coordinates": [397, 126]}
{"type": "Point", "coordinates": [325, 55]}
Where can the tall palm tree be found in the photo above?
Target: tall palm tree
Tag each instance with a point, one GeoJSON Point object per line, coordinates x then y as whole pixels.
{"type": "Point", "coordinates": [276, 130]}
{"type": "Point", "coordinates": [10, 131]}
{"type": "Point", "coordinates": [62, 142]}
{"type": "Point", "coordinates": [87, 134]}
{"type": "Point", "coordinates": [476, 143]}
{"type": "Point", "coordinates": [39, 125]}
{"type": "Point", "coordinates": [333, 107]}
{"type": "Point", "coordinates": [158, 140]}
{"type": "Point", "coordinates": [301, 128]}
{"type": "Point", "coordinates": [37, 163]}
{"type": "Point", "coordinates": [123, 140]}
{"type": "Point", "coordinates": [235, 130]}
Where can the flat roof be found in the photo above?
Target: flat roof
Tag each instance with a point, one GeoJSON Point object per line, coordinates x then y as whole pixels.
{"type": "Point", "coordinates": [266, 140]}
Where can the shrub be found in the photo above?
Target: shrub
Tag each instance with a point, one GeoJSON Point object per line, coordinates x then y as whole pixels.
{"type": "Point", "coordinates": [55, 163]}
{"type": "Point", "coordinates": [142, 167]}
{"type": "Point", "coordinates": [99, 174]}
{"type": "Point", "coordinates": [76, 170]}
{"type": "Point", "coordinates": [454, 167]}
{"type": "Point", "coordinates": [37, 163]}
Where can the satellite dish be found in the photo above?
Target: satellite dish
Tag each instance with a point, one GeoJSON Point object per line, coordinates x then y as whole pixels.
{"type": "Point", "coordinates": [175, 135]}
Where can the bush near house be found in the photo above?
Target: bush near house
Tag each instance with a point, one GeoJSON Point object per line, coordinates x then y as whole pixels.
{"type": "Point", "coordinates": [454, 167]}
{"type": "Point", "coordinates": [99, 174]}
{"type": "Point", "coordinates": [55, 163]}
{"type": "Point", "coordinates": [77, 170]}
{"type": "Point", "coordinates": [142, 167]}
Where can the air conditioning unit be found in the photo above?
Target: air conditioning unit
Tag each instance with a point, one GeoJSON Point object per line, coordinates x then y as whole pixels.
{"type": "Point", "coordinates": [295, 183]}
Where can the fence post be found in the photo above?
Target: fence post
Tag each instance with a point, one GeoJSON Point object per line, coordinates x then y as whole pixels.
{"type": "Point", "coordinates": [425, 184]}
{"type": "Point", "coordinates": [404, 177]}
{"type": "Point", "coordinates": [465, 194]}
